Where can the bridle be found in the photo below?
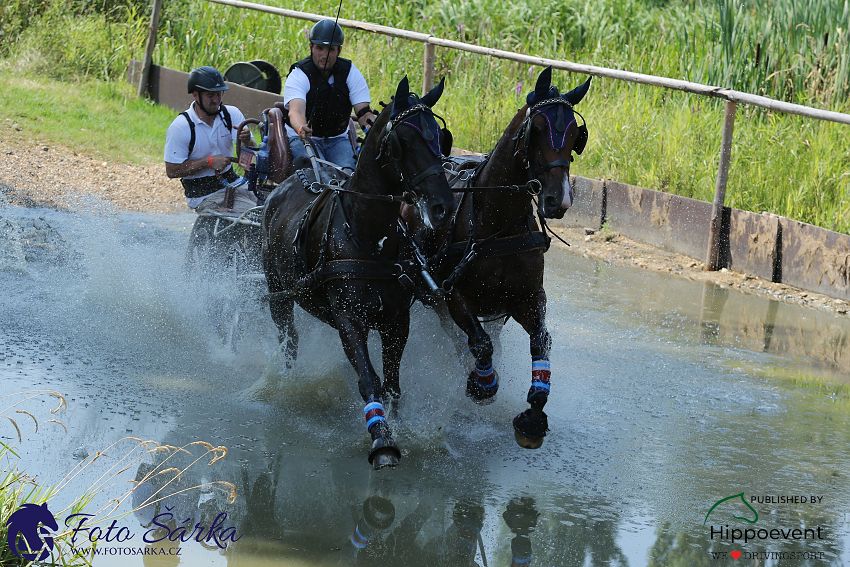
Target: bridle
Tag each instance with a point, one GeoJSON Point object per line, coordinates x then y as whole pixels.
{"type": "Point", "coordinates": [524, 135]}
{"type": "Point", "coordinates": [391, 149]}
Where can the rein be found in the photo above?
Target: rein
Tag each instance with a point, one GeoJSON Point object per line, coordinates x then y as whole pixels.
{"type": "Point", "coordinates": [496, 244]}
{"type": "Point", "coordinates": [378, 268]}
{"type": "Point", "coordinates": [533, 187]}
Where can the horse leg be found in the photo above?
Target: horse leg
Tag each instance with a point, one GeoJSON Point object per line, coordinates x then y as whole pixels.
{"type": "Point", "coordinates": [283, 314]}
{"type": "Point", "coordinates": [454, 333]}
{"type": "Point", "coordinates": [393, 341]}
{"type": "Point", "coordinates": [531, 425]}
{"type": "Point", "coordinates": [354, 336]}
{"type": "Point", "coordinates": [482, 382]}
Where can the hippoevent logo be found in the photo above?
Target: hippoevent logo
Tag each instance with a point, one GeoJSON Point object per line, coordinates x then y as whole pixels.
{"type": "Point", "coordinates": [24, 534]}
{"type": "Point", "coordinates": [729, 507]}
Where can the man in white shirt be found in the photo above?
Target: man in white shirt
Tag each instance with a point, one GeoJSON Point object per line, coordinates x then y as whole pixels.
{"type": "Point", "coordinates": [199, 145]}
{"type": "Point", "coordinates": [320, 93]}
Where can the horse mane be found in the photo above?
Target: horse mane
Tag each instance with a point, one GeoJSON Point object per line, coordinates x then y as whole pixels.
{"type": "Point", "coordinates": [514, 124]}
{"type": "Point", "coordinates": [367, 170]}
{"type": "Point", "coordinates": [504, 145]}
{"type": "Point", "coordinates": [372, 143]}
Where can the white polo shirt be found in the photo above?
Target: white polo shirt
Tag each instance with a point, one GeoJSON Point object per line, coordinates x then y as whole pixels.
{"type": "Point", "coordinates": [297, 85]}
{"type": "Point", "coordinates": [209, 141]}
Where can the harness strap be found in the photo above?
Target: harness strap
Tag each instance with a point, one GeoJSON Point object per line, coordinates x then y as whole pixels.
{"type": "Point", "coordinates": [504, 246]}
{"type": "Point", "coordinates": [433, 170]}
{"type": "Point", "coordinates": [225, 116]}
{"type": "Point", "coordinates": [553, 164]}
{"type": "Point", "coordinates": [336, 270]}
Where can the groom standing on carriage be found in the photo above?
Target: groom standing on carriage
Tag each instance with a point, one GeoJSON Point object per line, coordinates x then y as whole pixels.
{"type": "Point", "coordinates": [320, 93]}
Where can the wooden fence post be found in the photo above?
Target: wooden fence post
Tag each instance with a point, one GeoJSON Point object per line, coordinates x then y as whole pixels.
{"type": "Point", "coordinates": [713, 255]}
{"type": "Point", "coordinates": [149, 45]}
{"type": "Point", "coordinates": [428, 68]}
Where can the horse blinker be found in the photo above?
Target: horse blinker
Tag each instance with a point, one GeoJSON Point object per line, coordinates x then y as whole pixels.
{"type": "Point", "coordinates": [446, 141]}
{"type": "Point", "coordinates": [581, 139]}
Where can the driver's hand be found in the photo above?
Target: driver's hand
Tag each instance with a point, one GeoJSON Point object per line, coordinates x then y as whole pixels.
{"type": "Point", "coordinates": [305, 132]}
{"type": "Point", "coordinates": [245, 137]}
{"type": "Point", "coordinates": [220, 162]}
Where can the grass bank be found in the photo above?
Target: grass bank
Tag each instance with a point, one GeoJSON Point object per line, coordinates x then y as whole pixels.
{"type": "Point", "coordinates": [788, 49]}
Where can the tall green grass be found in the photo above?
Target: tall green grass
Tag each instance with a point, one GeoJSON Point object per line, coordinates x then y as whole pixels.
{"type": "Point", "coordinates": [793, 50]}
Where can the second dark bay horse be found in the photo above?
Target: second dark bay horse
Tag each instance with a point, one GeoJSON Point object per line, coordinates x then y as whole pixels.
{"type": "Point", "coordinates": [489, 262]}
{"type": "Point", "coordinates": [337, 251]}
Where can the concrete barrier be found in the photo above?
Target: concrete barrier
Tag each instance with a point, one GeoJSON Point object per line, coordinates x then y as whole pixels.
{"type": "Point", "coordinates": [767, 246]}
{"type": "Point", "coordinates": [753, 244]}
{"type": "Point", "coordinates": [168, 88]}
{"type": "Point", "coordinates": [667, 221]}
{"type": "Point", "coordinates": [814, 258]}
{"type": "Point", "coordinates": [588, 208]}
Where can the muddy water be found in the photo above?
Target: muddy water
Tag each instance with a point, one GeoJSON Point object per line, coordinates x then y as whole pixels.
{"type": "Point", "coordinates": [669, 396]}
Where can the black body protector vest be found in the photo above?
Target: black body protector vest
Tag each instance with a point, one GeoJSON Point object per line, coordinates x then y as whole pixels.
{"type": "Point", "coordinates": [328, 105]}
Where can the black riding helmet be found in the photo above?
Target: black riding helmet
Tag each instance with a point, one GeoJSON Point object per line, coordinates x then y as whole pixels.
{"type": "Point", "coordinates": [206, 79]}
{"type": "Point", "coordinates": [327, 32]}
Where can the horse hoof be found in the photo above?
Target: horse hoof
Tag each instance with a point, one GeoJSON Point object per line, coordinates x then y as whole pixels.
{"type": "Point", "coordinates": [529, 432]}
{"type": "Point", "coordinates": [384, 453]}
{"type": "Point", "coordinates": [480, 395]}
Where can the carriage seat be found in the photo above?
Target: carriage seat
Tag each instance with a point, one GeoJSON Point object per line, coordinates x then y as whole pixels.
{"type": "Point", "coordinates": [352, 126]}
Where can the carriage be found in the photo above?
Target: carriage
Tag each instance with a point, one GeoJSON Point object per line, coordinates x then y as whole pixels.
{"type": "Point", "coordinates": [224, 246]}
{"type": "Point", "coordinates": [355, 255]}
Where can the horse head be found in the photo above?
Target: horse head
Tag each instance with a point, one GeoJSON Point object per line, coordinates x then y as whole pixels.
{"type": "Point", "coordinates": [547, 137]}
{"type": "Point", "coordinates": [405, 146]}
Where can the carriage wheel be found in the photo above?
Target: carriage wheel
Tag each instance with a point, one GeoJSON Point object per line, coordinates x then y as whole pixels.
{"type": "Point", "coordinates": [199, 253]}
{"type": "Point", "coordinates": [233, 306]}
{"type": "Point", "coordinates": [244, 271]}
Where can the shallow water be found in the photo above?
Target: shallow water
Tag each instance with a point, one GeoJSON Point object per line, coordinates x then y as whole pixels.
{"type": "Point", "coordinates": [668, 396]}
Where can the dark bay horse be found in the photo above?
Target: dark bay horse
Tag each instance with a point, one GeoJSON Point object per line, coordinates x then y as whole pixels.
{"type": "Point", "coordinates": [337, 250]}
{"type": "Point", "coordinates": [489, 262]}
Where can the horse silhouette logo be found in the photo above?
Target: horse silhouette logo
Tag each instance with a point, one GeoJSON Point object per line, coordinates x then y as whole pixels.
{"type": "Point", "coordinates": [741, 496]}
{"type": "Point", "coordinates": [24, 532]}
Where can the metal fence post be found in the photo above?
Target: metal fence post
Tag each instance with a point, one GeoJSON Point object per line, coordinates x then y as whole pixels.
{"type": "Point", "coordinates": [428, 68]}
{"type": "Point", "coordinates": [149, 45]}
{"type": "Point", "coordinates": [713, 255]}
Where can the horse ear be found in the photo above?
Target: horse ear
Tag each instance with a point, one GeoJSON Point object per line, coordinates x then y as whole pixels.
{"type": "Point", "coordinates": [541, 89]}
{"type": "Point", "coordinates": [544, 81]}
{"type": "Point", "coordinates": [574, 96]}
{"type": "Point", "coordinates": [434, 94]}
{"type": "Point", "coordinates": [402, 93]}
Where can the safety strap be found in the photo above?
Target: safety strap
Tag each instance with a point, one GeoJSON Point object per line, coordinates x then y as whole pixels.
{"type": "Point", "coordinates": [225, 115]}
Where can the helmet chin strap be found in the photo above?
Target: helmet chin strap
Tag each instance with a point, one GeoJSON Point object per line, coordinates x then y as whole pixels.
{"type": "Point", "coordinates": [207, 112]}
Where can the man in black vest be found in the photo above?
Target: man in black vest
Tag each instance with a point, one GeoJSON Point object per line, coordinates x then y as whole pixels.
{"type": "Point", "coordinates": [320, 93]}
{"type": "Point", "coordinates": [199, 145]}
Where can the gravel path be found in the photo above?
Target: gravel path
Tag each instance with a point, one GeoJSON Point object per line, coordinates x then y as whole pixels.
{"type": "Point", "coordinates": [36, 175]}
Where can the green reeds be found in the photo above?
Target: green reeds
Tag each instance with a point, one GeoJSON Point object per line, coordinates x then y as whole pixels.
{"type": "Point", "coordinates": [163, 466]}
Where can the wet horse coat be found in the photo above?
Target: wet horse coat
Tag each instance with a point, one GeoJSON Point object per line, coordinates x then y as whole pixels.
{"type": "Point", "coordinates": [490, 261]}
{"type": "Point", "coordinates": [339, 253]}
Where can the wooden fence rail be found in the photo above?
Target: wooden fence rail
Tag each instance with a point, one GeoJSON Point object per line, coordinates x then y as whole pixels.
{"type": "Point", "coordinates": [732, 97]}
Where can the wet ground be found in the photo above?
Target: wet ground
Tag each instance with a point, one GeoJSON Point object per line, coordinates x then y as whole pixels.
{"type": "Point", "coordinates": [669, 397]}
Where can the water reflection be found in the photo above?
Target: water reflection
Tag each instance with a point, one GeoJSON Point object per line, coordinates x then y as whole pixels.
{"type": "Point", "coordinates": [659, 408]}
{"type": "Point", "coordinates": [714, 299]}
{"type": "Point", "coordinates": [714, 315]}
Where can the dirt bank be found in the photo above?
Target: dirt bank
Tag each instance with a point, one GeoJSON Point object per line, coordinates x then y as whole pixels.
{"type": "Point", "coordinates": [37, 175]}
